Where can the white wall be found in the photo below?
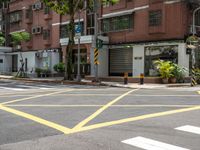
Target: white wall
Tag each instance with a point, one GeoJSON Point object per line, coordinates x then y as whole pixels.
{"type": "Point", "coordinates": [6, 66]}
{"type": "Point", "coordinates": [138, 64]}
{"type": "Point", "coordinates": [183, 58]}
{"type": "Point", "coordinates": [54, 60]}
{"type": "Point", "coordinates": [30, 60]}
{"type": "Point", "coordinates": [138, 51]}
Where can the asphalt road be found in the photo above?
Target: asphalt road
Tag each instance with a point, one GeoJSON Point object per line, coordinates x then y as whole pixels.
{"type": "Point", "coordinates": [60, 117]}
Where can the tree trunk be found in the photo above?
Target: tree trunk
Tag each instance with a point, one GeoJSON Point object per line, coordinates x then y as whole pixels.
{"type": "Point", "coordinates": [68, 57]}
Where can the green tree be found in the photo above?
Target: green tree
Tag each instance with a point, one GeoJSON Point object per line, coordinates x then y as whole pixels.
{"type": "Point", "coordinates": [18, 37]}
{"type": "Point", "coordinates": [2, 39]}
{"type": "Point", "coordinates": [71, 7]}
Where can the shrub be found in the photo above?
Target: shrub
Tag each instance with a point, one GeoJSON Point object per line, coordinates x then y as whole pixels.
{"type": "Point", "coordinates": [179, 72]}
{"type": "Point", "coordinates": [197, 74]}
{"type": "Point", "coordinates": [60, 67]}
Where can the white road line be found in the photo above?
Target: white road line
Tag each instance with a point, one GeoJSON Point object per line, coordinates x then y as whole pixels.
{"type": "Point", "coordinates": [34, 87]}
{"type": "Point", "coordinates": [45, 88]}
{"type": "Point", "coordinates": [14, 89]}
{"type": "Point", "coordinates": [149, 144]}
{"type": "Point", "coordinates": [188, 128]}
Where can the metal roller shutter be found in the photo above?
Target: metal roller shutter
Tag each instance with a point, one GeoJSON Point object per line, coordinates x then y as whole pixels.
{"type": "Point", "coordinates": [121, 60]}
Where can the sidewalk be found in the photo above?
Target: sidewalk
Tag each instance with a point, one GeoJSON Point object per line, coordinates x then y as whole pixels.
{"type": "Point", "coordinates": [88, 82]}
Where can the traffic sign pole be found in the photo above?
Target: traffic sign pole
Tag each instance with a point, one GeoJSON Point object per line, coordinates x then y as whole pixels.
{"type": "Point", "coordinates": [78, 34]}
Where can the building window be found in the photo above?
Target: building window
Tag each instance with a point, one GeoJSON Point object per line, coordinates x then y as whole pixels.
{"type": "Point", "coordinates": [46, 34]}
{"type": "Point", "coordinates": [197, 18]}
{"type": "Point", "coordinates": [118, 23]}
{"type": "Point", "coordinates": [64, 30]}
{"type": "Point", "coordinates": [152, 53]}
{"type": "Point", "coordinates": [15, 16]}
{"type": "Point", "coordinates": [155, 18]}
{"type": "Point", "coordinates": [83, 56]}
{"type": "Point", "coordinates": [29, 13]}
{"type": "Point", "coordinates": [46, 10]}
{"type": "Point", "coordinates": [1, 61]}
{"type": "Point", "coordinates": [90, 24]}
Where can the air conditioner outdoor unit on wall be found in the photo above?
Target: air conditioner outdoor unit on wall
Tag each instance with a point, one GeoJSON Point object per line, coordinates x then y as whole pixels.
{"type": "Point", "coordinates": [39, 30]}
{"type": "Point", "coordinates": [38, 54]}
{"type": "Point", "coordinates": [33, 7]}
{"type": "Point", "coordinates": [37, 6]}
{"type": "Point", "coordinates": [33, 30]}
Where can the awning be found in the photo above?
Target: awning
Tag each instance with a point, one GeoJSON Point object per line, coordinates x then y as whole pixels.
{"type": "Point", "coordinates": [125, 12]}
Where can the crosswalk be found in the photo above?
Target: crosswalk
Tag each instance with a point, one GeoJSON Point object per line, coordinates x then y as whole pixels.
{"type": "Point", "coordinates": [151, 144]}
{"type": "Point", "coordinates": [25, 87]}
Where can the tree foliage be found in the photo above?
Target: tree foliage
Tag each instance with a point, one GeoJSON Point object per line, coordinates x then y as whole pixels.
{"type": "Point", "coordinates": [2, 39]}
{"type": "Point", "coordinates": [18, 37]}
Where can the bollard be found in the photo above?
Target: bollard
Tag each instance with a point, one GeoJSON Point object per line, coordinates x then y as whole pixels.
{"type": "Point", "coordinates": [126, 78]}
{"type": "Point", "coordinates": [141, 78]}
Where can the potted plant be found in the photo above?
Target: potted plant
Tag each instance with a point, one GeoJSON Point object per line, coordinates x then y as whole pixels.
{"type": "Point", "coordinates": [178, 73]}
{"type": "Point", "coordinates": [165, 69]}
{"type": "Point", "coordinates": [38, 71]}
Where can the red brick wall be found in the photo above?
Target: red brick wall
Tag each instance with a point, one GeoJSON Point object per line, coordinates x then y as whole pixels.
{"type": "Point", "coordinates": [174, 23]}
{"type": "Point", "coordinates": [37, 42]}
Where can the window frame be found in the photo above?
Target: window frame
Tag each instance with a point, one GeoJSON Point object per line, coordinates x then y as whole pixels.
{"type": "Point", "coordinates": [155, 17]}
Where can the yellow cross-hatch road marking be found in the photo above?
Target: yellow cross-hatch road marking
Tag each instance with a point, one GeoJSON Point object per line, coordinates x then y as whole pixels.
{"type": "Point", "coordinates": [81, 105]}
{"type": "Point", "coordinates": [142, 117]}
{"type": "Point", "coordinates": [84, 122]}
{"type": "Point", "coordinates": [37, 96]}
{"type": "Point", "coordinates": [36, 119]}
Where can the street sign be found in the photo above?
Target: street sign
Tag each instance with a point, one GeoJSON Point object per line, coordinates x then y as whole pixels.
{"type": "Point", "coordinates": [77, 30]}
{"type": "Point", "coordinates": [99, 43]}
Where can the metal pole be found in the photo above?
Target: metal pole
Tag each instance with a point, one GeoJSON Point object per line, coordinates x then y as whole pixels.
{"type": "Point", "coordinates": [95, 35]}
{"type": "Point", "coordinates": [193, 82]}
{"type": "Point", "coordinates": [78, 69]}
{"type": "Point", "coordinates": [193, 20]}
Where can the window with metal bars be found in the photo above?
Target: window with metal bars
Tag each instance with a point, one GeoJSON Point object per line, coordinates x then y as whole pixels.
{"type": "Point", "coordinates": [155, 18]}
{"type": "Point", "coordinates": [46, 34]}
{"type": "Point", "coordinates": [118, 23]}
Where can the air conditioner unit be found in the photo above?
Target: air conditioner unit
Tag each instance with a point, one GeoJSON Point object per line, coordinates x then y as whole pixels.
{"type": "Point", "coordinates": [38, 5]}
{"type": "Point", "coordinates": [34, 30]}
{"type": "Point", "coordinates": [38, 54]}
{"type": "Point", "coordinates": [39, 30]}
{"type": "Point", "coordinates": [33, 7]}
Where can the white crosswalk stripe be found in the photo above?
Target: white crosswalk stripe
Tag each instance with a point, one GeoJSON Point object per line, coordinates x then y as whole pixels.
{"type": "Point", "coordinates": [149, 144]}
{"type": "Point", "coordinates": [189, 128]}
{"type": "Point", "coordinates": [24, 88]}
{"type": "Point", "coordinates": [14, 89]}
{"type": "Point", "coordinates": [35, 87]}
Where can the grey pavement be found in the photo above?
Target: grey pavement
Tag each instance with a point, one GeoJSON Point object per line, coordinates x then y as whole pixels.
{"type": "Point", "coordinates": [28, 122]}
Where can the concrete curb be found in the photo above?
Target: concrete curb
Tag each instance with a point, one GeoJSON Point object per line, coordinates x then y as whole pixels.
{"type": "Point", "coordinates": [29, 80]}
{"type": "Point", "coordinates": [55, 81]}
